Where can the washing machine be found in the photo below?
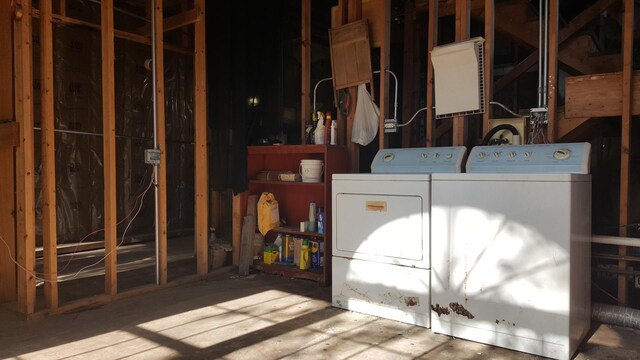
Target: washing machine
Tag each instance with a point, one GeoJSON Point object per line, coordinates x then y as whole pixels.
{"type": "Point", "coordinates": [380, 235]}
{"type": "Point", "coordinates": [511, 248]}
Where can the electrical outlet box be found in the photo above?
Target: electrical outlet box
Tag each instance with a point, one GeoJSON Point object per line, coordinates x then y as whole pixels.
{"type": "Point", "coordinates": [390, 126]}
{"type": "Point", "coordinates": [538, 116]}
{"type": "Point", "coordinates": [637, 282]}
{"type": "Point", "coordinates": [506, 135]}
{"type": "Point", "coordinates": [152, 156]}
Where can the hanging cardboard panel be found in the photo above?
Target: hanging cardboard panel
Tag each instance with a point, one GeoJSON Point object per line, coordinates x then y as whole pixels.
{"type": "Point", "coordinates": [350, 55]}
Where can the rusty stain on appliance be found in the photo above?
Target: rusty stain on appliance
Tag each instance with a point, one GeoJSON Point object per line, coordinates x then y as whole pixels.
{"type": "Point", "coordinates": [440, 310]}
{"type": "Point", "coordinates": [460, 310]}
{"type": "Point", "coordinates": [411, 301]}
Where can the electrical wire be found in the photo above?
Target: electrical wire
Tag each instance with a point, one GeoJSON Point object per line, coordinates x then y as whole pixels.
{"type": "Point", "coordinates": [34, 274]}
{"type": "Point", "coordinates": [507, 109]}
{"type": "Point", "coordinates": [413, 117]}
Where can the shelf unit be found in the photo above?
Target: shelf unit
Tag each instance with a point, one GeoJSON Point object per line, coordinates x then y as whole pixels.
{"type": "Point", "coordinates": [294, 197]}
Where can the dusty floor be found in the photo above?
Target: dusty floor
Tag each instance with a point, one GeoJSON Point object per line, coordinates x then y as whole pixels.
{"type": "Point", "coordinates": [259, 317]}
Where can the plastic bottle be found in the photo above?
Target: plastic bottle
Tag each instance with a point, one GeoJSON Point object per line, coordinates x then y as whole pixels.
{"type": "Point", "coordinates": [278, 243]}
{"type": "Point", "coordinates": [313, 224]}
{"type": "Point", "coordinates": [305, 262]}
{"type": "Point", "coordinates": [320, 221]}
{"type": "Point", "coordinates": [319, 132]}
{"type": "Point", "coordinates": [334, 132]}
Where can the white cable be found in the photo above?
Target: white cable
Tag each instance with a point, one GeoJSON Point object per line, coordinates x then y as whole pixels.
{"type": "Point", "coordinates": [413, 117]}
{"type": "Point", "coordinates": [88, 266]}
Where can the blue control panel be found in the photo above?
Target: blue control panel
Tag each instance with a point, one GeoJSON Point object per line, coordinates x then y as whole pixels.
{"type": "Point", "coordinates": [419, 160]}
{"type": "Point", "coordinates": [568, 158]}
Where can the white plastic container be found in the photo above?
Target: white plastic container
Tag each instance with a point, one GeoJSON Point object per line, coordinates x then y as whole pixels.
{"type": "Point", "coordinates": [311, 170]}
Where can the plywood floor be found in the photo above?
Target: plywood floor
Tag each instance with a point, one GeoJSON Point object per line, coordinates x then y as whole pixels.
{"type": "Point", "coordinates": [258, 317]}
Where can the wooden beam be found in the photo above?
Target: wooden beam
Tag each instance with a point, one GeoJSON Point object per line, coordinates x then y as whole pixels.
{"type": "Point", "coordinates": [567, 125]}
{"type": "Point", "coordinates": [25, 186]}
{"type": "Point", "coordinates": [408, 71]}
{"type": "Point", "coordinates": [174, 22]}
{"type": "Point", "coordinates": [236, 205]}
{"type": "Point", "coordinates": [9, 134]}
{"type": "Point", "coordinates": [522, 67]}
{"type": "Point", "coordinates": [385, 61]}
{"type": "Point", "coordinates": [49, 229]}
{"type": "Point", "coordinates": [161, 143]}
{"type": "Point", "coordinates": [489, 25]}
{"type": "Point", "coordinates": [354, 10]}
{"type": "Point", "coordinates": [432, 38]}
{"type": "Point", "coordinates": [625, 140]}
{"type": "Point", "coordinates": [9, 139]}
{"type": "Point", "coordinates": [141, 39]}
{"type": "Point", "coordinates": [463, 16]}
{"type": "Point", "coordinates": [201, 161]}
{"type": "Point", "coordinates": [552, 77]}
{"type": "Point", "coordinates": [599, 95]}
{"type": "Point", "coordinates": [305, 48]}
{"type": "Point", "coordinates": [109, 149]}
{"type": "Point", "coordinates": [567, 32]}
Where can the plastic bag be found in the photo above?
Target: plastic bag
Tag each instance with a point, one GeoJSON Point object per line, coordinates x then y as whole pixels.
{"type": "Point", "coordinates": [268, 213]}
{"type": "Point", "coordinates": [365, 124]}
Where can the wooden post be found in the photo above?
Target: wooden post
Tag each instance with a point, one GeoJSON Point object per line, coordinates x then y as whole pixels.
{"type": "Point", "coordinates": [408, 66]}
{"type": "Point", "coordinates": [161, 135]}
{"type": "Point", "coordinates": [625, 140]}
{"type": "Point", "coordinates": [552, 80]}
{"type": "Point", "coordinates": [489, 22]}
{"type": "Point", "coordinates": [23, 75]}
{"type": "Point", "coordinates": [385, 60]}
{"type": "Point", "coordinates": [431, 41]}
{"type": "Point", "coordinates": [109, 149]}
{"type": "Point", "coordinates": [305, 47]}
{"type": "Point", "coordinates": [49, 229]}
{"type": "Point", "coordinates": [7, 180]}
{"type": "Point", "coordinates": [202, 166]}
{"type": "Point", "coordinates": [237, 227]}
{"type": "Point", "coordinates": [354, 12]}
{"type": "Point", "coordinates": [463, 13]}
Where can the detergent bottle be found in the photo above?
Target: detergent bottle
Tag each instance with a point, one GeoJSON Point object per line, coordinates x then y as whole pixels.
{"type": "Point", "coordinates": [305, 261]}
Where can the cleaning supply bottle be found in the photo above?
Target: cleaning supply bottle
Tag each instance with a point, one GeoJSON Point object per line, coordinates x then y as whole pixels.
{"type": "Point", "coordinates": [313, 217]}
{"type": "Point", "coordinates": [320, 221]}
{"type": "Point", "coordinates": [319, 132]}
{"type": "Point", "coordinates": [305, 261]}
{"type": "Point", "coordinates": [334, 132]}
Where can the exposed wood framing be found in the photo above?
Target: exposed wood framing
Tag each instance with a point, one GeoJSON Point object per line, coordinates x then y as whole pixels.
{"type": "Point", "coordinates": [25, 201]}
{"type": "Point", "coordinates": [354, 13]}
{"type": "Point", "coordinates": [161, 139]}
{"type": "Point", "coordinates": [385, 61]}
{"type": "Point", "coordinates": [599, 95]}
{"type": "Point", "coordinates": [432, 37]}
{"type": "Point", "coordinates": [305, 47]}
{"type": "Point", "coordinates": [408, 71]}
{"type": "Point", "coordinates": [178, 21]}
{"type": "Point", "coordinates": [463, 17]}
{"type": "Point", "coordinates": [141, 39]}
{"type": "Point", "coordinates": [552, 79]}
{"type": "Point", "coordinates": [49, 233]}
{"type": "Point", "coordinates": [489, 11]}
{"type": "Point", "coordinates": [354, 10]}
{"type": "Point", "coordinates": [625, 140]}
{"type": "Point", "coordinates": [567, 33]}
{"type": "Point", "coordinates": [9, 135]}
{"type": "Point", "coordinates": [201, 162]}
{"type": "Point", "coordinates": [237, 226]}
{"type": "Point", "coordinates": [109, 146]}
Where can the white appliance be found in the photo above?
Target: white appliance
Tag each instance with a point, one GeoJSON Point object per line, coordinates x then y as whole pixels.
{"type": "Point", "coordinates": [380, 235]}
{"type": "Point", "coordinates": [511, 248]}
